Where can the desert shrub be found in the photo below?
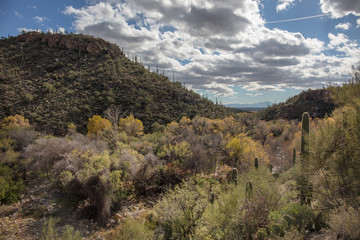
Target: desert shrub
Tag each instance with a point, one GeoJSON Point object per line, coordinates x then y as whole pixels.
{"type": "Point", "coordinates": [302, 217]}
{"type": "Point", "coordinates": [50, 231]}
{"type": "Point", "coordinates": [11, 184]}
{"type": "Point", "coordinates": [345, 222]}
{"type": "Point", "coordinates": [147, 177]}
{"type": "Point", "coordinates": [238, 214]}
{"type": "Point", "coordinates": [92, 171]}
{"type": "Point", "coordinates": [46, 152]}
{"type": "Point", "coordinates": [7, 210]}
{"type": "Point", "coordinates": [128, 160]}
{"type": "Point", "coordinates": [334, 157]}
{"type": "Point", "coordinates": [180, 212]}
{"type": "Point", "coordinates": [23, 137]}
{"type": "Point", "coordinates": [132, 230]}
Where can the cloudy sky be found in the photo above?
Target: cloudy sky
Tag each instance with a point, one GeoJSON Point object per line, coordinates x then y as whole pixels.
{"type": "Point", "coordinates": [238, 51]}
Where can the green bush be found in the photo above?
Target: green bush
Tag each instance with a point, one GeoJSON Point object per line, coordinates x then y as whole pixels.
{"type": "Point", "coordinates": [180, 212]}
{"type": "Point", "coordinates": [51, 232]}
{"type": "Point", "coordinates": [132, 230]}
{"type": "Point", "coordinates": [10, 185]}
{"type": "Point", "coordinates": [301, 217]}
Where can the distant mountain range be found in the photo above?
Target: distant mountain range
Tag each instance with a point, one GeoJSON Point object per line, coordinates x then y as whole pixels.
{"type": "Point", "coordinates": [252, 106]}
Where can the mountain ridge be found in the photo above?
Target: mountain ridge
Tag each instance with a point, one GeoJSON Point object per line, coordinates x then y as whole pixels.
{"type": "Point", "coordinates": [318, 103]}
{"type": "Point", "coordinates": [58, 79]}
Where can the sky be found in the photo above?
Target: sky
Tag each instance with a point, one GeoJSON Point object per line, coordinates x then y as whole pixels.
{"type": "Point", "coordinates": [235, 51]}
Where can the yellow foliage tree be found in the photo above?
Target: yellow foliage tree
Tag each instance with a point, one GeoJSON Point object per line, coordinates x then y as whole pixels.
{"type": "Point", "coordinates": [230, 126]}
{"type": "Point", "coordinates": [131, 126]}
{"type": "Point", "coordinates": [242, 150]}
{"type": "Point", "coordinates": [184, 121]}
{"type": "Point", "coordinates": [97, 125]}
{"type": "Point", "coordinates": [15, 121]}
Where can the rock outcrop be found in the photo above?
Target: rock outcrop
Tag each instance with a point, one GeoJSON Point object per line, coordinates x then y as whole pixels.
{"type": "Point", "coordinates": [90, 45]}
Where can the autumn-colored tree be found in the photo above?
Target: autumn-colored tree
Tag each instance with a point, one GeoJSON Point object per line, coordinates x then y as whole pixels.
{"type": "Point", "coordinates": [97, 125]}
{"type": "Point", "coordinates": [12, 122]}
{"type": "Point", "coordinates": [230, 126]}
{"type": "Point", "coordinates": [199, 124]}
{"type": "Point", "coordinates": [133, 127]}
{"type": "Point", "coordinates": [262, 131]}
{"type": "Point", "coordinates": [241, 150]}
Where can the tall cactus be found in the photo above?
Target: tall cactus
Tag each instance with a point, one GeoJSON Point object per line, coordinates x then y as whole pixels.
{"type": "Point", "coordinates": [294, 157]}
{"type": "Point", "coordinates": [249, 189]}
{"type": "Point", "coordinates": [234, 176]}
{"type": "Point", "coordinates": [256, 163]}
{"type": "Point", "coordinates": [305, 129]}
{"type": "Point", "coordinates": [305, 187]}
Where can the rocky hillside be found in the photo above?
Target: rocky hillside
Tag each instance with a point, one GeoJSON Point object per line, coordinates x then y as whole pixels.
{"type": "Point", "coordinates": [55, 79]}
{"type": "Point", "coordinates": [317, 102]}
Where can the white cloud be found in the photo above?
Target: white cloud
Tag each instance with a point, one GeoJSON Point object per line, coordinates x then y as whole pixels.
{"type": "Point", "coordinates": [234, 50]}
{"type": "Point", "coordinates": [22, 29]}
{"type": "Point", "coordinates": [358, 23]}
{"type": "Point", "coordinates": [39, 19]}
{"type": "Point", "coordinates": [344, 45]}
{"type": "Point", "coordinates": [343, 26]}
{"type": "Point", "coordinates": [50, 30]}
{"type": "Point", "coordinates": [61, 30]}
{"type": "Point", "coordinates": [284, 4]}
{"type": "Point", "coordinates": [219, 89]}
{"type": "Point", "coordinates": [340, 8]}
{"type": "Point", "coordinates": [255, 87]}
{"type": "Point", "coordinates": [254, 94]}
{"type": "Point", "coordinates": [337, 40]}
{"type": "Point", "coordinates": [18, 14]}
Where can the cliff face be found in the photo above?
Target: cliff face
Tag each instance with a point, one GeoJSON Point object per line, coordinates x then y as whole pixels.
{"type": "Point", "coordinates": [82, 44]}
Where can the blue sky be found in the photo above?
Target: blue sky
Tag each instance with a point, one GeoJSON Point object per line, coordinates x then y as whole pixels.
{"type": "Point", "coordinates": [236, 51]}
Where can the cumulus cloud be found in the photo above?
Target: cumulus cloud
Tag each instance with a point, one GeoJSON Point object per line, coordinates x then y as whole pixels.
{"type": "Point", "coordinates": [358, 23]}
{"type": "Point", "coordinates": [340, 8]}
{"type": "Point", "coordinates": [39, 19]}
{"type": "Point", "coordinates": [61, 30]}
{"type": "Point", "coordinates": [224, 44]}
{"type": "Point", "coordinates": [343, 26]}
{"type": "Point", "coordinates": [23, 29]}
{"type": "Point", "coordinates": [344, 45]}
{"type": "Point", "coordinates": [255, 87]}
{"type": "Point", "coordinates": [284, 4]}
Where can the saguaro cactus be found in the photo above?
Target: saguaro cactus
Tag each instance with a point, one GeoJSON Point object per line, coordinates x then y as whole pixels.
{"type": "Point", "coordinates": [234, 176]}
{"type": "Point", "coordinates": [249, 189]}
{"type": "Point", "coordinates": [305, 129]}
{"type": "Point", "coordinates": [294, 157]}
{"type": "Point", "coordinates": [305, 187]}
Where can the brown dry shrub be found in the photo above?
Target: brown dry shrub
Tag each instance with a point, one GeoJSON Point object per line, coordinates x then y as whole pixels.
{"type": "Point", "coordinates": [345, 222]}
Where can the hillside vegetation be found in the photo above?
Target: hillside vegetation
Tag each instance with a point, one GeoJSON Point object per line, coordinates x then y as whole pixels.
{"type": "Point", "coordinates": [318, 103]}
{"type": "Point", "coordinates": [55, 79]}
